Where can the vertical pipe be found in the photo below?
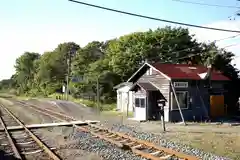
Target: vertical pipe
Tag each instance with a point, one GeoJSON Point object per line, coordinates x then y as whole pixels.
{"type": "Point", "coordinates": [98, 109]}
{"type": "Point", "coordinates": [67, 88]}
{"type": "Point", "coordinates": [179, 108]}
{"type": "Point", "coordinates": [128, 102]}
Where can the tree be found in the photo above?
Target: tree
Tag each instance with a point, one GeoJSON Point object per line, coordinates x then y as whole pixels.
{"type": "Point", "coordinates": [25, 70]}
{"type": "Point", "coordinates": [52, 67]}
{"type": "Point", "coordinates": [164, 45]}
{"type": "Point", "coordinates": [85, 56]}
{"type": "Point", "coordinates": [114, 61]}
{"type": "Point", "coordinates": [222, 62]}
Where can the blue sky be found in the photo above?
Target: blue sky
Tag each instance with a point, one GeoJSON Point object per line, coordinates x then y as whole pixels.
{"type": "Point", "coordinates": [39, 25]}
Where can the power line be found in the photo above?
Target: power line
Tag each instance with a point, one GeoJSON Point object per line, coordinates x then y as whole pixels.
{"type": "Point", "coordinates": [231, 45]}
{"type": "Point", "coordinates": [227, 38]}
{"type": "Point", "coordinates": [206, 4]}
{"type": "Point", "coordinates": [196, 47]}
{"type": "Point", "coordinates": [153, 18]}
{"type": "Point", "coordinates": [189, 56]}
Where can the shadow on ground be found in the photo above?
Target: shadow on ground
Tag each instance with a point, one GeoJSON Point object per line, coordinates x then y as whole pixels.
{"type": "Point", "coordinates": [4, 156]}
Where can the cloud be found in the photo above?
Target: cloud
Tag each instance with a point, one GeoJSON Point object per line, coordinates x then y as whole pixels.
{"type": "Point", "coordinates": [211, 35]}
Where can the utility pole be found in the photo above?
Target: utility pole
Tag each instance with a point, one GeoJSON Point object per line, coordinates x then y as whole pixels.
{"type": "Point", "coordinates": [68, 71]}
{"type": "Point", "coordinates": [98, 109]}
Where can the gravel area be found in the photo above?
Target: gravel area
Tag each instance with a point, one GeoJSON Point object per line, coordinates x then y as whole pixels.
{"type": "Point", "coordinates": [70, 144]}
{"type": "Point", "coordinates": [116, 123]}
{"type": "Point", "coordinates": [161, 140]}
{"type": "Point", "coordinates": [79, 144]}
{"type": "Point", "coordinates": [85, 141]}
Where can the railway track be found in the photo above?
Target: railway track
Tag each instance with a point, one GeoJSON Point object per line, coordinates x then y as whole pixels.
{"type": "Point", "coordinates": [142, 148]}
{"type": "Point", "coordinates": [24, 143]}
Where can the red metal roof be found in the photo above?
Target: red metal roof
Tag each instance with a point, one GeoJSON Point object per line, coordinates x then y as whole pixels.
{"type": "Point", "coordinates": [186, 71]}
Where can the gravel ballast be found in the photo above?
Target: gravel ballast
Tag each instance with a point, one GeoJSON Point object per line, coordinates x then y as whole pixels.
{"type": "Point", "coordinates": [86, 142]}
{"type": "Point", "coordinates": [161, 141]}
{"type": "Point", "coordinates": [108, 151]}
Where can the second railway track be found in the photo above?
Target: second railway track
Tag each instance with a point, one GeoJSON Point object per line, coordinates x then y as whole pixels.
{"type": "Point", "coordinates": [139, 147]}
{"type": "Point", "coordinates": [24, 143]}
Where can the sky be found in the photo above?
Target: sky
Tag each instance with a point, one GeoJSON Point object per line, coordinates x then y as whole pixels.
{"type": "Point", "coordinates": [40, 25]}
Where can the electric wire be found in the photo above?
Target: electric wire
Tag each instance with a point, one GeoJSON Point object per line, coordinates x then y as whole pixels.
{"type": "Point", "coordinates": [206, 4]}
{"type": "Point", "coordinates": [153, 18]}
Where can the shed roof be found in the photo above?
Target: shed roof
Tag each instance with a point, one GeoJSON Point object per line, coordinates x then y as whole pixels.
{"type": "Point", "coordinates": [145, 85]}
{"type": "Point", "coordinates": [122, 85]}
{"type": "Point", "coordinates": [186, 71]}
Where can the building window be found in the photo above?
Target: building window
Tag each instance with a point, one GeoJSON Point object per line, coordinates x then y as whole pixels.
{"type": "Point", "coordinates": [149, 71]}
{"type": "Point", "coordinates": [180, 84]}
{"type": "Point", "coordinates": [140, 102]}
{"type": "Point", "coordinates": [182, 97]}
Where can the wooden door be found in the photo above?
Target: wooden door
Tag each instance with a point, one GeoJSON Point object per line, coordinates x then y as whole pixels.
{"type": "Point", "coordinates": [216, 105]}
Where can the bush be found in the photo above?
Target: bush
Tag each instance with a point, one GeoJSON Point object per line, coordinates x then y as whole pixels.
{"type": "Point", "coordinates": [107, 107]}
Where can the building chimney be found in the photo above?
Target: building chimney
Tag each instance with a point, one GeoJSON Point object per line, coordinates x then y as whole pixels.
{"type": "Point", "coordinates": [209, 71]}
{"type": "Point", "coordinates": [209, 75]}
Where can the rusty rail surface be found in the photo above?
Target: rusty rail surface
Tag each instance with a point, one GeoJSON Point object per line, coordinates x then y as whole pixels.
{"type": "Point", "coordinates": [10, 140]}
{"type": "Point", "coordinates": [50, 153]}
{"type": "Point", "coordinates": [139, 147]}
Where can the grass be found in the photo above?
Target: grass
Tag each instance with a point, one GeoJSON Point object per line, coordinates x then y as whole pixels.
{"type": "Point", "coordinates": [5, 101]}
{"type": "Point", "coordinates": [219, 140]}
{"type": "Point", "coordinates": [107, 109]}
{"type": "Point", "coordinates": [226, 145]}
{"type": "Point", "coordinates": [88, 103]}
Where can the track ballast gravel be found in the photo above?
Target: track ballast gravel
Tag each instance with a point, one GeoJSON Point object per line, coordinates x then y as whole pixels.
{"type": "Point", "coordinates": [161, 141]}
{"type": "Point", "coordinates": [108, 151]}
{"type": "Point", "coordinates": [86, 142]}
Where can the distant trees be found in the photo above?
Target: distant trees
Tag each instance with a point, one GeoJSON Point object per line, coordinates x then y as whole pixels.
{"type": "Point", "coordinates": [112, 62]}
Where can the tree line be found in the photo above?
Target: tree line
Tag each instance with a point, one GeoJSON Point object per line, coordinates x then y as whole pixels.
{"type": "Point", "coordinates": [112, 62]}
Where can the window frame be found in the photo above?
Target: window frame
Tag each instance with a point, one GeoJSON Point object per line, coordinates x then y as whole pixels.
{"type": "Point", "coordinates": [139, 102]}
{"type": "Point", "coordinates": [173, 98]}
{"type": "Point", "coordinates": [149, 72]}
{"type": "Point", "coordinates": [180, 84]}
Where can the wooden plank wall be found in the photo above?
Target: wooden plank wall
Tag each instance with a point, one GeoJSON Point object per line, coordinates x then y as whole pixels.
{"type": "Point", "coordinates": [159, 81]}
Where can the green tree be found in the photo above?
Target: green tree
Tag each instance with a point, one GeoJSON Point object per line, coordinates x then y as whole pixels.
{"type": "Point", "coordinates": [163, 44]}
{"type": "Point", "coordinates": [85, 56]}
{"type": "Point", "coordinates": [25, 70]}
{"type": "Point", "coordinates": [114, 61]}
{"type": "Point", "coordinates": [53, 67]}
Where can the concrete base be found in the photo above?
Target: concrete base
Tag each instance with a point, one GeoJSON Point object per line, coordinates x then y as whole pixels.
{"type": "Point", "coordinates": [45, 125]}
{"type": "Point", "coordinates": [135, 119]}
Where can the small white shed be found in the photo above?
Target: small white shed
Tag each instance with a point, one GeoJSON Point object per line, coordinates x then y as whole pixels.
{"type": "Point", "coordinates": [124, 97]}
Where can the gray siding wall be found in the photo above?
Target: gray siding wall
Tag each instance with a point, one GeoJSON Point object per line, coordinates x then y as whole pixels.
{"type": "Point", "coordinates": [159, 81]}
{"type": "Point", "coordinates": [140, 93]}
{"type": "Point", "coordinates": [163, 85]}
{"type": "Point", "coordinates": [200, 106]}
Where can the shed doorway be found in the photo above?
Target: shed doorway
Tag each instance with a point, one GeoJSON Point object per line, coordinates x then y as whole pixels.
{"type": "Point", "coordinates": [140, 112]}
{"type": "Point", "coordinates": [144, 100]}
{"type": "Point", "coordinates": [153, 112]}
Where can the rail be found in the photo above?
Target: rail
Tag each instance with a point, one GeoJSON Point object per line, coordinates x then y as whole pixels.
{"type": "Point", "coordinates": [143, 148]}
{"type": "Point", "coordinates": [50, 153]}
{"type": "Point", "coordinates": [10, 139]}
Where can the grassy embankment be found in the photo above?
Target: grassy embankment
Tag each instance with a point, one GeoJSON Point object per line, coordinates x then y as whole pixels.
{"type": "Point", "coordinates": [108, 109]}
